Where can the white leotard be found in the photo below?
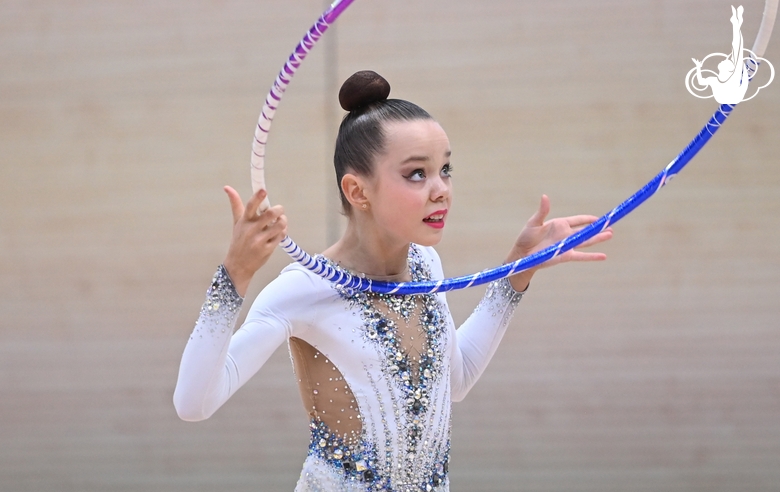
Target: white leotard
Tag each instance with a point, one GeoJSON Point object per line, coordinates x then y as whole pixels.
{"type": "Point", "coordinates": [377, 373]}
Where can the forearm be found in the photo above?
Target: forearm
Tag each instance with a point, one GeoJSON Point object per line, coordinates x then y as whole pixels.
{"type": "Point", "coordinates": [204, 380]}
{"type": "Point", "coordinates": [478, 338]}
{"type": "Point", "coordinates": [522, 280]}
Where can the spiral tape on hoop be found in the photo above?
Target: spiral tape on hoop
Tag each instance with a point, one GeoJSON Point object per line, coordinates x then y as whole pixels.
{"type": "Point", "coordinates": [323, 269]}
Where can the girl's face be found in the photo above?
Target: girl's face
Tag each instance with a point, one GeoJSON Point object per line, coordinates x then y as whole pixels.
{"type": "Point", "coordinates": [410, 191]}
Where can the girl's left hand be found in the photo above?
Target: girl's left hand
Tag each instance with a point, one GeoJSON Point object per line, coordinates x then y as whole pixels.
{"type": "Point", "coordinates": [539, 234]}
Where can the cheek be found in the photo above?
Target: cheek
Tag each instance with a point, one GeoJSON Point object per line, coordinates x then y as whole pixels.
{"type": "Point", "coordinates": [401, 202]}
{"type": "Point", "coordinates": [415, 198]}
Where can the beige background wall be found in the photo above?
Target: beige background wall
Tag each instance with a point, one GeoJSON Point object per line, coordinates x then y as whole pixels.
{"type": "Point", "coordinates": [121, 121]}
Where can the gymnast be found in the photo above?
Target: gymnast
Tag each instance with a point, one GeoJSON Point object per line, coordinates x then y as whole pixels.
{"type": "Point", "coordinates": [376, 372]}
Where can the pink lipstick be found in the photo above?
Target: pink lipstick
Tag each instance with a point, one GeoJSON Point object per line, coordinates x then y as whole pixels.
{"type": "Point", "coordinates": [436, 219]}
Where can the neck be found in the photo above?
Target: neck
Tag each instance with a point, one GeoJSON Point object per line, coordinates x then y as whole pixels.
{"type": "Point", "coordinates": [363, 249]}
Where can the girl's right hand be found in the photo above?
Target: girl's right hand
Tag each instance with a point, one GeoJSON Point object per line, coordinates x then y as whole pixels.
{"type": "Point", "coordinates": [255, 236]}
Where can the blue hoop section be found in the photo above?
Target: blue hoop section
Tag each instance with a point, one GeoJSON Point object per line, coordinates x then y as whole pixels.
{"type": "Point", "coordinates": [320, 267]}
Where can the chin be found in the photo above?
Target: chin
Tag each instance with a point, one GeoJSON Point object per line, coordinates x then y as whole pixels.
{"type": "Point", "coordinates": [428, 239]}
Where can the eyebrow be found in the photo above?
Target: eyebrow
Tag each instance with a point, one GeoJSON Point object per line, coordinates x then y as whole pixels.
{"type": "Point", "coordinates": [423, 158]}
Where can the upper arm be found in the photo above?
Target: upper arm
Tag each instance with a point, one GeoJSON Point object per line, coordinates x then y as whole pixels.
{"type": "Point", "coordinates": [285, 308]}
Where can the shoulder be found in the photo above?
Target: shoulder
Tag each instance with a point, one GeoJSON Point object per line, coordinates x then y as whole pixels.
{"type": "Point", "coordinates": [292, 294]}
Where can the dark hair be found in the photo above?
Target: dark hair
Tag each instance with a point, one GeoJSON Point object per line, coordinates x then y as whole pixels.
{"type": "Point", "coordinates": [361, 134]}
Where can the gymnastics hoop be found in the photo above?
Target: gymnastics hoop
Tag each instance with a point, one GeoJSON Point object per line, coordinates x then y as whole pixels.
{"type": "Point", "coordinates": [320, 267]}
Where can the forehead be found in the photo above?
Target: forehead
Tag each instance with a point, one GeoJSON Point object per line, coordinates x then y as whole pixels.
{"type": "Point", "coordinates": [418, 138]}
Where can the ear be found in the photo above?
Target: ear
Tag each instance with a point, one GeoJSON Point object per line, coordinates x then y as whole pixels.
{"type": "Point", "coordinates": [353, 187]}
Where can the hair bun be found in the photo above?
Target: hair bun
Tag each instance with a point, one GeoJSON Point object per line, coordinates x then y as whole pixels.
{"type": "Point", "coordinates": [362, 89]}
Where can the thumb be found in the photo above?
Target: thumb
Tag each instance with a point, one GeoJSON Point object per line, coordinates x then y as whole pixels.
{"type": "Point", "coordinates": [236, 205]}
{"type": "Point", "coordinates": [537, 219]}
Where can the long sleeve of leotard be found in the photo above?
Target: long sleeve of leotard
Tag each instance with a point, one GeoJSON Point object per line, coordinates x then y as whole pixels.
{"type": "Point", "coordinates": [479, 336]}
{"type": "Point", "coordinates": [216, 362]}
{"type": "Point", "coordinates": [477, 339]}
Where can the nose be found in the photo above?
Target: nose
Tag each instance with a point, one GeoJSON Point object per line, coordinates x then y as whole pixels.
{"type": "Point", "coordinates": [441, 189]}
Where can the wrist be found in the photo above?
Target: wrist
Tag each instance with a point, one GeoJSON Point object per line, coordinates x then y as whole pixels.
{"type": "Point", "coordinates": [521, 281]}
{"type": "Point", "coordinates": [238, 276]}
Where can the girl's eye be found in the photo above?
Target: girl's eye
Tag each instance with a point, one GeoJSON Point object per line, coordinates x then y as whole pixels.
{"type": "Point", "coordinates": [416, 175]}
{"type": "Point", "coordinates": [446, 171]}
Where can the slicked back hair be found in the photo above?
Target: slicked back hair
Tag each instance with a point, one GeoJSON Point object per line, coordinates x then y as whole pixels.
{"type": "Point", "coordinates": [361, 137]}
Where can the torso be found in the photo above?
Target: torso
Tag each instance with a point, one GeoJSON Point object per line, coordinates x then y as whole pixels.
{"type": "Point", "coordinates": [374, 379]}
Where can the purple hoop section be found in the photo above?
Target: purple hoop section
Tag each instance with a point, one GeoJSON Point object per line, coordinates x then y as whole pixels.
{"type": "Point", "coordinates": [321, 268]}
{"type": "Point", "coordinates": [274, 96]}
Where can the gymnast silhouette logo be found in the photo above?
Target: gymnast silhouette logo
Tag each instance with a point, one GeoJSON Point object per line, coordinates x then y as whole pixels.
{"type": "Point", "coordinates": [735, 70]}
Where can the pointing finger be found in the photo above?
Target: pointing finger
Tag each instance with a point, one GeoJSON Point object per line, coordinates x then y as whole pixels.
{"type": "Point", "coordinates": [581, 220]}
{"type": "Point", "coordinates": [254, 204]}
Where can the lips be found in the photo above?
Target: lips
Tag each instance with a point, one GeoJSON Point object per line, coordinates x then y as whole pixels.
{"type": "Point", "coordinates": [436, 219]}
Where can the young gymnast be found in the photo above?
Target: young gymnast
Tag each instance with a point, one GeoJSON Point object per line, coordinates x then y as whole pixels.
{"type": "Point", "coordinates": [377, 373]}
